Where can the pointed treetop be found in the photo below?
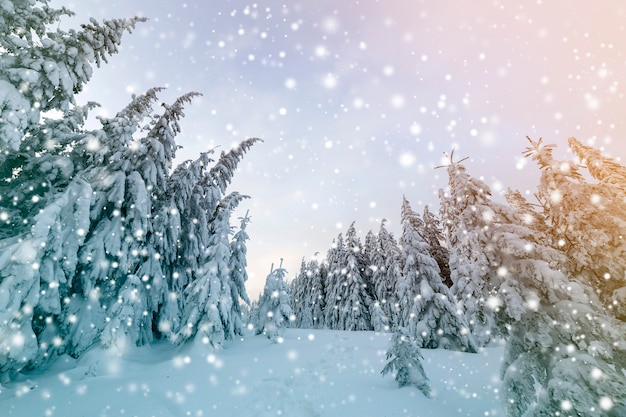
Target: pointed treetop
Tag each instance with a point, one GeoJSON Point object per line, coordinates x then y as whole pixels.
{"type": "Point", "coordinates": [450, 161]}
{"type": "Point", "coordinates": [542, 153]}
{"type": "Point", "coordinates": [245, 219]}
{"type": "Point", "coordinates": [539, 151]}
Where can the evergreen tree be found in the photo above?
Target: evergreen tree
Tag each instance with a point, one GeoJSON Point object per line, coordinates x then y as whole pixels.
{"type": "Point", "coordinates": [586, 221]}
{"type": "Point", "coordinates": [561, 339]}
{"type": "Point", "coordinates": [208, 299]}
{"type": "Point", "coordinates": [349, 292]}
{"type": "Point", "coordinates": [608, 242]}
{"type": "Point", "coordinates": [332, 283]}
{"type": "Point", "coordinates": [405, 360]}
{"type": "Point", "coordinates": [121, 241]}
{"type": "Point", "coordinates": [387, 274]}
{"type": "Point", "coordinates": [430, 314]}
{"type": "Point", "coordinates": [433, 235]}
{"type": "Point", "coordinates": [274, 305]}
{"type": "Point", "coordinates": [199, 203]}
{"type": "Point", "coordinates": [299, 293]}
{"type": "Point", "coordinates": [467, 215]}
{"type": "Point", "coordinates": [239, 275]}
{"type": "Point", "coordinates": [369, 249]}
{"type": "Point", "coordinates": [318, 292]}
{"type": "Point", "coordinates": [308, 296]}
{"type": "Point", "coordinates": [41, 187]}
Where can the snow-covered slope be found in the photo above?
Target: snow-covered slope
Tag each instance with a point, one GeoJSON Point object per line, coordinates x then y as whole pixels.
{"type": "Point", "coordinates": [311, 373]}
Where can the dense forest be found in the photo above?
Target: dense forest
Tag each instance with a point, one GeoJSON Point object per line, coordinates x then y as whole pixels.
{"type": "Point", "coordinates": [545, 276]}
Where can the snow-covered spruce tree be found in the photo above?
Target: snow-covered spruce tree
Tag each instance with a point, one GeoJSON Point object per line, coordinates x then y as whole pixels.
{"type": "Point", "coordinates": [561, 338]}
{"type": "Point", "coordinates": [333, 281]}
{"type": "Point", "coordinates": [239, 275]}
{"type": "Point", "coordinates": [274, 305]}
{"type": "Point", "coordinates": [45, 202]}
{"type": "Point", "coordinates": [196, 201]}
{"type": "Point", "coordinates": [307, 296]}
{"type": "Point", "coordinates": [586, 221]}
{"type": "Point", "coordinates": [466, 215]}
{"type": "Point", "coordinates": [208, 298]}
{"type": "Point", "coordinates": [369, 249]}
{"type": "Point", "coordinates": [181, 230]}
{"type": "Point", "coordinates": [433, 235]}
{"type": "Point", "coordinates": [387, 273]}
{"type": "Point", "coordinates": [607, 248]}
{"type": "Point", "coordinates": [316, 292]}
{"type": "Point", "coordinates": [348, 298]}
{"type": "Point", "coordinates": [298, 295]}
{"type": "Point", "coordinates": [430, 314]}
{"type": "Point", "coordinates": [405, 361]}
{"type": "Point", "coordinates": [121, 239]}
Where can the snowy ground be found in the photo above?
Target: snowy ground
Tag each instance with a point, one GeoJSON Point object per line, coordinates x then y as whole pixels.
{"type": "Point", "coordinates": [312, 373]}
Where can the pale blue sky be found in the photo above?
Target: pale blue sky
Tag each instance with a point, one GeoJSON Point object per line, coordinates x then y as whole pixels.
{"type": "Point", "coordinates": [357, 100]}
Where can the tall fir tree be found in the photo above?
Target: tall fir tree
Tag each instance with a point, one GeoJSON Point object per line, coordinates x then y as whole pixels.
{"type": "Point", "coordinates": [239, 274]}
{"type": "Point", "coordinates": [386, 272]}
{"type": "Point", "coordinates": [369, 249]}
{"type": "Point", "coordinates": [333, 281]}
{"type": "Point", "coordinates": [318, 291]}
{"type": "Point", "coordinates": [433, 235]}
{"type": "Point", "coordinates": [466, 214]}
{"type": "Point", "coordinates": [587, 221]}
{"type": "Point", "coordinates": [611, 203]}
{"type": "Point", "coordinates": [349, 294]}
{"type": "Point", "coordinates": [430, 314]}
{"type": "Point", "coordinates": [309, 295]}
{"type": "Point", "coordinates": [41, 187]}
{"type": "Point", "coordinates": [562, 339]}
{"type": "Point", "coordinates": [299, 293]}
{"type": "Point", "coordinates": [208, 298]}
{"type": "Point", "coordinates": [119, 242]}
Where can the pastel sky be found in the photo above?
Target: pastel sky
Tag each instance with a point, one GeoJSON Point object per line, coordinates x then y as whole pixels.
{"type": "Point", "coordinates": [357, 100]}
